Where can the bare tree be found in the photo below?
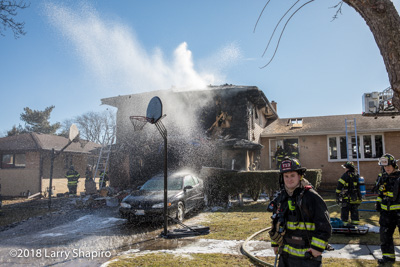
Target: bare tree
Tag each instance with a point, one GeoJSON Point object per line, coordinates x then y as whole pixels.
{"type": "Point", "coordinates": [383, 20]}
{"type": "Point", "coordinates": [98, 127]}
{"type": "Point", "coordinates": [8, 10]}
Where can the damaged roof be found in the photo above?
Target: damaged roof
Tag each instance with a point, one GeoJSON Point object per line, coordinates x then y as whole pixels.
{"type": "Point", "coordinates": [37, 141]}
{"type": "Point", "coordinates": [330, 125]}
{"type": "Point", "coordinates": [254, 94]}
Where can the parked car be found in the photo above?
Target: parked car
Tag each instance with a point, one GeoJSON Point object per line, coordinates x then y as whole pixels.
{"type": "Point", "coordinates": [185, 193]}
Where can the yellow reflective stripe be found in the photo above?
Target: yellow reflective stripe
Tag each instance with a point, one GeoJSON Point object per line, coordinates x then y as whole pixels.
{"type": "Point", "coordinates": [318, 242]}
{"type": "Point", "coordinates": [390, 194]}
{"type": "Point", "coordinates": [395, 207]}
{"type": "Point", "coordinates": [342, 181]}
{"type": "Point", "coordinates": [338, 191]}
{"type": "Point", "coordinates": [389, 255]}
{"type": "Point", "coordinates": [391, 207]}
{"type": "Point", "coordinates": [379, 199]}
{"type": "Point", "coordinates": [299, 252]}
{"type": "Point", "coordinates": [300, 226]}
{"type": "Point", "coordinates": [273, 243]}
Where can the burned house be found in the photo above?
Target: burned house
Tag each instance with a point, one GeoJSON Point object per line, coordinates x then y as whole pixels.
{"type": "Point", "coordinates": [219, 126]}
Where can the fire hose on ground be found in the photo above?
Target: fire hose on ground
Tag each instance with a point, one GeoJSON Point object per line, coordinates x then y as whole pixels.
{"type": "Point", "coordinates": [248, 254]}
{"type": "Point", "coordinates": [254, 258]}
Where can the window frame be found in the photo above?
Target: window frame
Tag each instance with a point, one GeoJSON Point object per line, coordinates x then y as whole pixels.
{"type": "Point", "coordinates": [361, 146]}
{"type": "Point", "coordinates": [13, 165]}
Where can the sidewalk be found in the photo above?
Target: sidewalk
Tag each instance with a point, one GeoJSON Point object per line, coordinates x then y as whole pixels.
{"type": "Point", "coordinates": [256, 248]}
{"type": "Point", "coordinates": [342, 251]}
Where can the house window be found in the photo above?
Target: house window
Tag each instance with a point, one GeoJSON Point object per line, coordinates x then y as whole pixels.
{"type": "Point", "coordinates": [295, 123]}
{"type": "Point", "coordinates": [13, 161]}
{"type": "Point", "coordinates": [332, 150]}
{"type": "Point", "coordinates": [369, 147]}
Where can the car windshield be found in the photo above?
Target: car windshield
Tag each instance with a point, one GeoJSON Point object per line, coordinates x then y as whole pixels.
{"type": "Point", "coordinates": [157, 184]}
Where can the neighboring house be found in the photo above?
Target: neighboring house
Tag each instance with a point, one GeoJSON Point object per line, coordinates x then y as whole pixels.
{"type": "Point", "coordinates": [321, 143]}
{"type": "Point", "coordinates": [25, 164]}
{"type": "Point", "coordinates": [219, 126]}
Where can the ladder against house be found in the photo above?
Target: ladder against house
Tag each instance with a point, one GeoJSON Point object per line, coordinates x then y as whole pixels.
{"type": "Point", "coordinates": [102, 161]}
{"type": "Point", "coordinates": [352, 141]}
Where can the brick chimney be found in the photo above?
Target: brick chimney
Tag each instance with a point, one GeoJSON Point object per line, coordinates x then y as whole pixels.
{"type": "Point", "coordinates": [274, 105]}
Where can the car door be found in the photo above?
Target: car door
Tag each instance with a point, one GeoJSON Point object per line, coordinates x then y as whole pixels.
{"type": "Point", "coordinates": [189, 186]}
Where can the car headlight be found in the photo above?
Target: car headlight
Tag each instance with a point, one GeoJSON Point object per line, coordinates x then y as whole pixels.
{"type": "Point", "coordinates": [125, 205]}
{"type": "Point", "coordinates": [160, 205]}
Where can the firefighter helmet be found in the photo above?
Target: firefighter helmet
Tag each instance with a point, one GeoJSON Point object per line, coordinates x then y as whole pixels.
{"type": "Point", "coordinates": [387, 160]}
{"type": "Point", "coordinates": [349, 165]}
{"type": "Point", "coordinates": [291, 164]}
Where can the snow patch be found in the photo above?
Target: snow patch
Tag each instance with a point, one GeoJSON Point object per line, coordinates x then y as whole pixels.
{"type": "Point", "coordinates": [51, 234]}
{"type": "Point", "coordinates": [86, 217]}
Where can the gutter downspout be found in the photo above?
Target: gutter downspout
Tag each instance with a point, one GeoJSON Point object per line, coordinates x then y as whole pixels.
{"type": "Point", "coordinates": [40, 151]}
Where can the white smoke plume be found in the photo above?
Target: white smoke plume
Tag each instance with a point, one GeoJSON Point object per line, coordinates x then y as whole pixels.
{"type": "Point", "coordinates": [112, 52]}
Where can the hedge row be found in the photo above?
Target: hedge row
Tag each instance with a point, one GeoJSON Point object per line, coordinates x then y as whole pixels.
{"type": "Point", "coordinates": [222, 183]}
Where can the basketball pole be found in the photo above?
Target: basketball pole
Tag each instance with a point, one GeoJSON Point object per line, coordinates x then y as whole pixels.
{"type": "Point", "coordinates": [163, 131]}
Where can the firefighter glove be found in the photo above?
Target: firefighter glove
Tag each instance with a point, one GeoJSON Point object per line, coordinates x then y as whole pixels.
{"type": "Point", "coordinates": [378, 206]}
{"type": "Point", "coordinates": [276, 237]}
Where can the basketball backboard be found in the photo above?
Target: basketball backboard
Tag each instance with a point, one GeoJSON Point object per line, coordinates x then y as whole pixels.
{"type": "Point", "coordinates": [73, 132]}
{"type": "Point", "coordinates": [154, 110]}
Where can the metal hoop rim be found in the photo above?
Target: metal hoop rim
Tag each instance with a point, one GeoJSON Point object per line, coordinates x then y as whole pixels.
{"type": "Point", "coordinates": [140, 118]}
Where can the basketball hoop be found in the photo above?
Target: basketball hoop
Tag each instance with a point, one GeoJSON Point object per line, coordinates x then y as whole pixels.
{"type": "Point", "coordinates": [138, 122]}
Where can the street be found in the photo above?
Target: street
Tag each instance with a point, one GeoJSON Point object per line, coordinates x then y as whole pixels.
{"type": "Point", "coordinates": [76, 237]}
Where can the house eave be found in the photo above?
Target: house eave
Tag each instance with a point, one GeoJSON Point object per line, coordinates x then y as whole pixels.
{"type": "Point", "coordinates": [362, 131]}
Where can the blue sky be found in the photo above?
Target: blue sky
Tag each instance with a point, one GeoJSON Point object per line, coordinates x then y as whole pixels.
{"type": "Point", "coordinates": [75, 53]}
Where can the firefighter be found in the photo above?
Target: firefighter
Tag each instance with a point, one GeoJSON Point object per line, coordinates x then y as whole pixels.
{"type": "Point", "coordinates": [388, 204]}
{"type": "Point", "coordinates": [73, 176]}
{"type": "Point", "coordinates": [103, 179]}
{"type": "Point", "coordinates": [294, 151]}
{"type": "Point", "coordinates": [279, 156]}
{"type": "Point", "coordinates": [348, 194]}
{"type": "Point", "coordinates": [301, 225]}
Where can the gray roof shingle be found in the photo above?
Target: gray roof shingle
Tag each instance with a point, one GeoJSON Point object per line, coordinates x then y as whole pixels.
{"type": "Point", "coordinates": [36, 141]}
{"type": "Point", "coordinates": [332, 125]}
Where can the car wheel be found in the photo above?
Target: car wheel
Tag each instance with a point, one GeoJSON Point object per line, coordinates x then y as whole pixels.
{"type": "Point", "coordinates": [180, 213]}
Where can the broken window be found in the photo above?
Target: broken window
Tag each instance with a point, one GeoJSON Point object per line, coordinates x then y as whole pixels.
{"type": "Point", "coordinates": [295, 123]}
